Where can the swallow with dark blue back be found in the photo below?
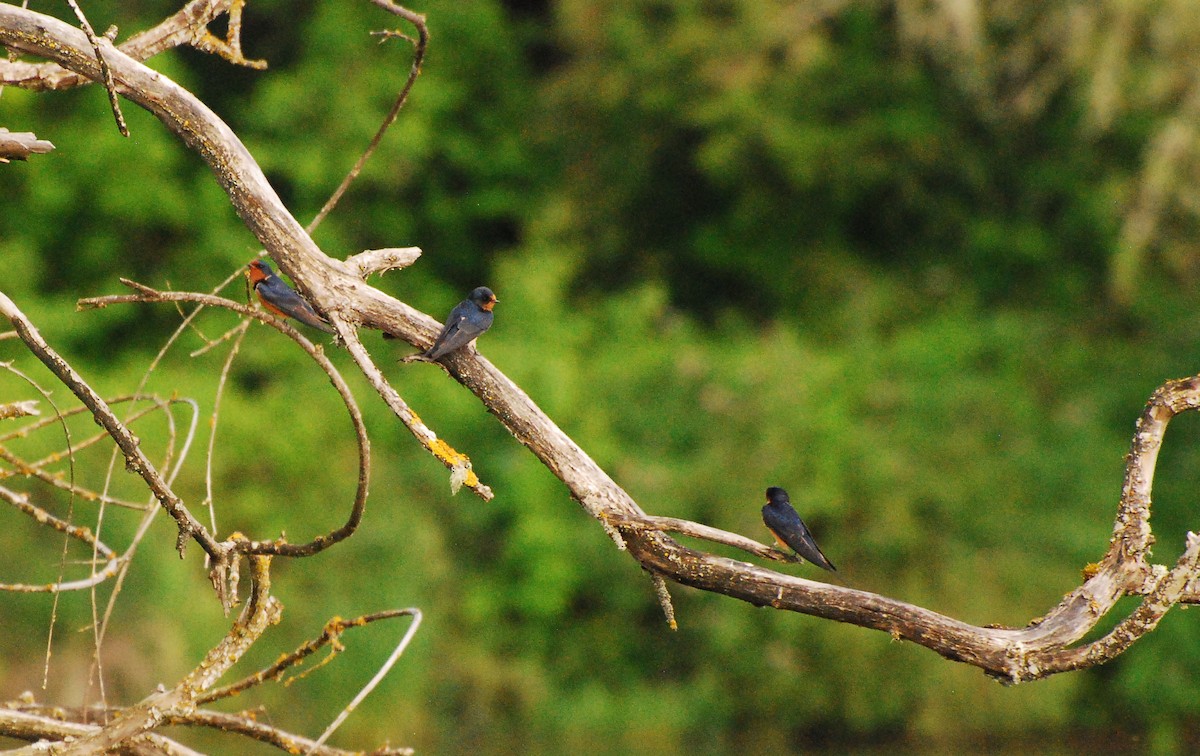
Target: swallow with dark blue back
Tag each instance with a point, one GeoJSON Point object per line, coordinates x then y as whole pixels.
{"type": "Point", "coordinates": [785, 524]}
{"type": "Point", "coordinates": [282, 300]}
{"type": "Point", "coordinates": [468, 320]}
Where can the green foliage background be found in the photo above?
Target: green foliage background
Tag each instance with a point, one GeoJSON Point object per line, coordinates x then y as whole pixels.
{"type": "Point", "coordinates": [737, 244]}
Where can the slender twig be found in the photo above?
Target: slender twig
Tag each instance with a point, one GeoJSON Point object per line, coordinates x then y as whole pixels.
{"type": "Point", "coordinates": [214, 419]}
{"type": "Point", "coordinates": [419, 46]}
{"type": "Point", "coordinates": [79, 533]}
{"type": "Point", "coordinates": [699, 530]}
{"type": "Point", "coordinates": [330, 635]}
{"type": "Point", "coordinates": [457, 462]}
{"type": "Point", "coordinates": [374, 682]}
{"type": "Point", "coordinates": [105, 73]}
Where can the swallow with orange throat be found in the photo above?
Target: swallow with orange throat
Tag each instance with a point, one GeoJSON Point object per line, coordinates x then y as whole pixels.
{"type": "Point", "coordinates": [468, 320]}
{"type": "Point", "coordinates": [281, 299]}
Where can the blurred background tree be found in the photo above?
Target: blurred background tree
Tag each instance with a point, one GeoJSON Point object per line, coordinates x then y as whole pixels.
{"type": "Point", "coordinates": [920, 263]}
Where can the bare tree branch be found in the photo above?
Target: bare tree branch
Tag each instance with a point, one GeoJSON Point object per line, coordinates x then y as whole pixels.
{"type": "Point", "coordinates": [187, 26]}
{"type": "Point", "coordinates": [19, 145]}
{"type": "Point", "coordinates": [106, 74]}
{"type": "Point", "coordinates": [261, 611]}
{"type": "Point", "coordinates": [418, 21]}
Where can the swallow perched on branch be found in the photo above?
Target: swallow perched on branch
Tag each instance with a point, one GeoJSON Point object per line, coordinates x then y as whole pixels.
{"type": "Point", "coordinates": [281, 299]}
{"type": "Point", "coordinates": [787, 527]}
{"type": "Point", "coordinates": [468, 320]}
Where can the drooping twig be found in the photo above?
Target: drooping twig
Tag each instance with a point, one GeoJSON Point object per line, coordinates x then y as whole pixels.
{"type": "Point", "coordinates": [105, 73]}
{"type": "Point", "coordinates": [278, 547]}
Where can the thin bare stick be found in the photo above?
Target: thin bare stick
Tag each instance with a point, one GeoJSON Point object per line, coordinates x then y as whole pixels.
{"type": "Point", "coordinates": [79, 533]}
{"type": "Point", "coordinates": [664, 599]}
{"type": "Point", "coordinates": [418, 21]}
{"type": "Point", "coordinates": [70, 513]}
{"type": "Point", "coordinates": [458, 463]}
{"type": "Point", "coordinates": [374, 683]}
{"type": "Point", "coordinates": [698, 530]}
{"type": "Point", "coordinates": [105, 73]}
{"type": "Point", "coordinates": [213, 421]}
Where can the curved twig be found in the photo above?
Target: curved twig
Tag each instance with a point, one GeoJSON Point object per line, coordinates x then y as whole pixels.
{"type": "Point", "coordinates": [374, 682]}
{"type": "Point", "coordinates": [279, 547]}
{"type": "Point", "coordinates": [37, 469]}
{"type": "Point", "coordinates": [418, 21]}
{"type": "Point", "coordinates": [79, 533]}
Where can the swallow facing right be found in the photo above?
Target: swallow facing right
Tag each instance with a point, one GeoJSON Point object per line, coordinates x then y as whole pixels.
{"type": "Point", "coordinates": [281, 299]}
{"type": "Point", "coordinates": [787, 527]}
{"type": "Point", "coordinates": [468, 320]}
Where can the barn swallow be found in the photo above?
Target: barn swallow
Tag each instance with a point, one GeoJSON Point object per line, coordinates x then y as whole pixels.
{"type": "Point", "coordinates": [468, 320]}
{"type": "Point", "coordinates": [281, 299]}
{"type": "Point", "coordinates": [787, 527]}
